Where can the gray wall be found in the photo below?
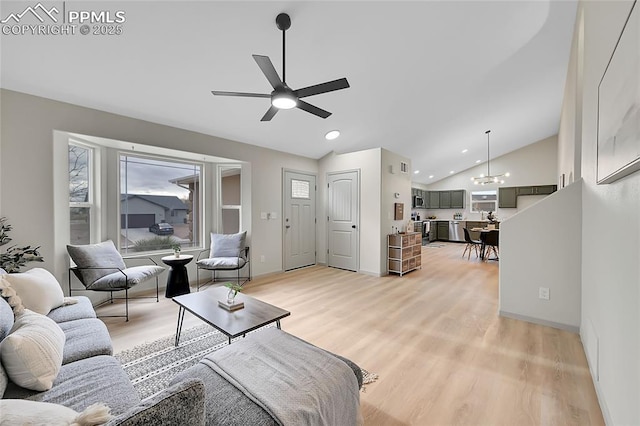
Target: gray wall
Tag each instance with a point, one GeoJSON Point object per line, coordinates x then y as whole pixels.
{"type": "Point", "coordinates": [610, 267]}
{"type": "Point", "coordinates": [28, 182]}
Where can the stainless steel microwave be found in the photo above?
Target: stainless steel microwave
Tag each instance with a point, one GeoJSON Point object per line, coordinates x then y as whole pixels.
{"type": "Point", "coordinates": [418, 201]}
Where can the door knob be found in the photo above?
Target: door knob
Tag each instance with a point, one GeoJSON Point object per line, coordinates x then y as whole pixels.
{"type": "Point", "coordinates": [288, 226]}
{"type": "Point", "coordinates": [353, 226]}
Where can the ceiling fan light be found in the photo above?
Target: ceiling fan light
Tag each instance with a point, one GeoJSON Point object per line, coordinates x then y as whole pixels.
{"type": "Point", "coordinates": [283, 101]}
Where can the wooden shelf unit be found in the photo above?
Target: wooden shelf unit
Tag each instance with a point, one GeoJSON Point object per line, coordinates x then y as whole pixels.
{"type": "Point", "coordinates": [404, 252]}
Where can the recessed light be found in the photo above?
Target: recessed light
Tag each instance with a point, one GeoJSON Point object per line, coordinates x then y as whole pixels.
{"type": "Point", "coordinates": [333, 134]}
{"type": "Point", "coordinates": [451, 172]}
{"type": "Point", "coordinates": [478, 161]}
{"type": "Point", "coordinates": [430, 176]}
{"type": "Point", "coordinates": [415, 172]}
{"type": "Point", "coordinates": [464, 151]}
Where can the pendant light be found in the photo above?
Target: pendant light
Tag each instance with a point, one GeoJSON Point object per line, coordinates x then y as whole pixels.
{"type": "Point", "coordinates": [489, 178]}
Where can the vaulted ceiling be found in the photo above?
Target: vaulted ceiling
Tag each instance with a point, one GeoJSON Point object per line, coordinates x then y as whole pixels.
{"type": "Point", "coordinates": [427, 77]}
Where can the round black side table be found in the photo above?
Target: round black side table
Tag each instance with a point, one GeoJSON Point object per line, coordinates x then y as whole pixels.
{"type": "Point", "coordinates": [178, 280]}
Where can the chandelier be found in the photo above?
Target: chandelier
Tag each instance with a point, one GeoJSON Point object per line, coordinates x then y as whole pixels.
{"type": "Point", "coordinates": [489, 178]}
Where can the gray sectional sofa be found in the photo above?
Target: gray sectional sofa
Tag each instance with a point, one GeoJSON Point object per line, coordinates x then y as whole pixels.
{"type": "Point", "coordinates": [90, 374]}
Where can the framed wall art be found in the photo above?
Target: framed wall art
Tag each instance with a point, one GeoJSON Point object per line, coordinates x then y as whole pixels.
{"type": "Point", "coordinates": [619, 106]}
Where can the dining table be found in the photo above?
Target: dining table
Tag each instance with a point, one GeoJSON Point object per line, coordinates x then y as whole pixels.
{"type": "Point", "coordinates": [483, 234]}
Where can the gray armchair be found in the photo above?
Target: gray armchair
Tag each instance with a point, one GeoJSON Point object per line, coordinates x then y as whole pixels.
{"type": "Point", "coordinates": [100, 267]}
{"type": "Point", "coordinates": [228, 252]}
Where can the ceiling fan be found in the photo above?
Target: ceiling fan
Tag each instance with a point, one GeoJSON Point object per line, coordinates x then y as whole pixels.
{"type": "Point", "coordinates": [283, 97]}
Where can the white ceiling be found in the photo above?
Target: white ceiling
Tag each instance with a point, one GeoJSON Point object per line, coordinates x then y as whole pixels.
{"type": "Point", "coordinates": [427, 78]}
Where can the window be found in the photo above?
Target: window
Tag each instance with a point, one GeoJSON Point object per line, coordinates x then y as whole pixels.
{"type": "Point", "coordinates": [230, 200]}
{"type": "Point", "coordinates": [81, 194]}
{"type": "Point", "coordinates": [156, 191]}
{"type": "Point", "coordinates": [300, 189]}
{"type": "Point", "coordinates": [483, 201]}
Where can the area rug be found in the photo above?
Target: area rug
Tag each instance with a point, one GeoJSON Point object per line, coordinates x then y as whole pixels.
{"type": "Point", "coordinates": [151, 366]}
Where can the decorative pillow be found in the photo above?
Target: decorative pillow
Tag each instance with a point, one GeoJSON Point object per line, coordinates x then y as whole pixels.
{"type": "Point", "coordinates": [101, 255]}
{"type": "Point", "coordinates": [38, 289]}
{"type": "Point", "coordinates": [24, 412]}
{"type": "Point", "coordinates": [228, 245]}
{"type": "Point", "coordinates": [2, 272]}
{"type": "Point", "coordinates": [32, 352]}
{"type": "Point", "coordinates": [15, 303]}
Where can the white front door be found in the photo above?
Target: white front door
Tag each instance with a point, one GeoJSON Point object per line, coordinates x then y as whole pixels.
{"type": "Point", "coordinates": [343, 220]}
{"type": "Point", "coordinates": [299, 220]}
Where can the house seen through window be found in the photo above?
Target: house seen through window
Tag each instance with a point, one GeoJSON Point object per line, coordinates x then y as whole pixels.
{"type": "Point", "coordinates": [160, 203]}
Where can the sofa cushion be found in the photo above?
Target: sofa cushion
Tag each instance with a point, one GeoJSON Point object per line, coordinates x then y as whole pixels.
{"type": "Point", "coordinates": [85, 338]}
{"type": "Point", "coordinates": [85, 382]}
{"type": "Point", "coordinates": [228, 245]}
{"type": "Point", "coordinates": [32, 352]}
{"type": "Point", "coordinates": [6, 322]}
{"type": "Point", "coordinates": [181, 404]}
{"type": "Point", "coordinates": [38, 289]}
{"type": "Point", "coordinates": [222, 263]}
{"type": "Point", "coordinates": [101, 255]}
{"type": "Point", "coordinates": [19, 411]}
{"type": "Point", "coordinates": [81, 310]}
{"type": "Point", "coordinates": [127, 278]}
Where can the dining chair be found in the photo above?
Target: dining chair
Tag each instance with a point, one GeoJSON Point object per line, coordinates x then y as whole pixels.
{"type": "Point", "coordinates": [492, 244]}
{"type": "Point", "coordinates": [471, 244]}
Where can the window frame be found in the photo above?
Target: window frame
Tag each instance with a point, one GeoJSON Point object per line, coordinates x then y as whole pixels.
{"type": "Point", "coordinates": [493, 192]}
{"type": "Point", "coordinates": [220, 169]}
{"type": "Point", "coordinates": [92, 188]}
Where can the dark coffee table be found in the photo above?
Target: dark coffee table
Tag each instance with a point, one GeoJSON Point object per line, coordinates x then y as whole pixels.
{"type": "Point", "coordinates": [204, 305]}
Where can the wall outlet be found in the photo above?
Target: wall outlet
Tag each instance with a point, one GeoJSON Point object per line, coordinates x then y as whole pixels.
{"type": "Point", "coordinates": [543, 293]}
{"type": "Point", "coordinates": [273, 215]}
{"type": "Point", "coordinates": [262, 259]}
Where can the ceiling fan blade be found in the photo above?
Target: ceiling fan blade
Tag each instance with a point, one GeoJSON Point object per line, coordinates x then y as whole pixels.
{"type": "Point", "coordinates": [269, 114]}
{"type": "Point", "coordinates": [268, 70]}
{"type": "Point", "coordinates": [317, 89]}
{"type": "Point", "coordinates": [246, 95]}
{"type": "Point", "coordinates": [312, 109]}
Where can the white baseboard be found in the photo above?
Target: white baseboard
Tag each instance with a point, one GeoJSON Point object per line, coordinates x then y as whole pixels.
{"type": "Point", "coordinates": [567, 327]}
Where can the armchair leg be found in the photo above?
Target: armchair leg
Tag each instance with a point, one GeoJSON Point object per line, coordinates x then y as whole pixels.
{"type": "Point", "coordinates": [157, 290]}
{"type": "Point", "coordinates": [126, 303]}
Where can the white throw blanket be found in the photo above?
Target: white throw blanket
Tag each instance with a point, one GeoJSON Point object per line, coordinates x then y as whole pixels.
{"type": "Point", "coordinates": [294, 381]}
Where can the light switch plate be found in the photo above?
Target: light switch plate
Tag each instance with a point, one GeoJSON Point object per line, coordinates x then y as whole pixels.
{"type": "Point", "coordinates": [274, 215]}
{"type": "Point", "coordinates": [543, 293]}
{"type": "Point", "coordinates": [263, 215]}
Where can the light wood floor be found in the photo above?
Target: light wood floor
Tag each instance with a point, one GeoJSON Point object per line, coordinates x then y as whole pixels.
{"type": "Point", "coordinates": [443, 355]}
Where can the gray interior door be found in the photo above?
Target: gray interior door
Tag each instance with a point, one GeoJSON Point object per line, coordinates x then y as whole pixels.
{"type": "Point", "coordinates": [343, 220]}
{"type": "Point", "coordinates": [299, 220]}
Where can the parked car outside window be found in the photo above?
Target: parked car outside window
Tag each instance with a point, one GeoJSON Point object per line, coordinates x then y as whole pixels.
{"type": "Point", "coordinates": [161, 229]}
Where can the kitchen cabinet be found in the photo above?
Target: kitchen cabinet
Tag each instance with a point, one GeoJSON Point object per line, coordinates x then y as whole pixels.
{"type": "Point", "coordinates": [457, 199]}
{"type": "Point", "coordinates": [443, 230]}
{"type": "Point", "coordinates": [404, 252]}
{"type": "Point", "coordinates": [508, 196]}
{"type": "Point", "coordinates": [453, 199]}
{"type": "Point", "coordinates": [433, 231]}
{"type": "Point", "coordinates": [434, 199]}
{"type": "Point", "coordinates": [445, 199]}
